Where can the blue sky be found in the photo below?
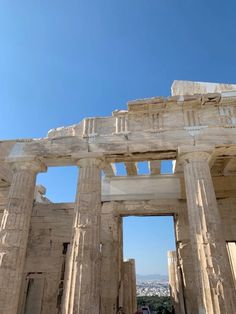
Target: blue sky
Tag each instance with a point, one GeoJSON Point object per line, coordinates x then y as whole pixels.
{"type": "Point", "coordinates": [61, 61]}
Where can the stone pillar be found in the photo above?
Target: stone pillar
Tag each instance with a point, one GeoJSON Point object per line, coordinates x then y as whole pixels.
{"type": "Point", "coordinates": [110, 225]}
{"type": "Point", "coordinates": [185, 260]}
{"type": "Point", "coordinates": [175, 283]}
{"type": "Point", "coordinates": [14, 230]}
{"type": "Point", "coordinates": [82, 289]}
{"type": "Point", "coordinates": [215, 291]}
{"type": "Point", "coordinates": [120, 260]}
{"type": "Point", "coordinates": [172, 267]}
{"type": "Point", "coordinates": [129, 286]}
{"type": "Point", "coordinates": [187, 276]}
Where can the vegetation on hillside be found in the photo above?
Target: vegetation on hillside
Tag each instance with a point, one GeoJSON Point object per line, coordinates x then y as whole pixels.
{"type": "Point", "coordinates": [157, 305]}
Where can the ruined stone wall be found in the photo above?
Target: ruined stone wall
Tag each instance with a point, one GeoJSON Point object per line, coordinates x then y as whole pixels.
{"type": "Point", "coordinates": [50, 234]}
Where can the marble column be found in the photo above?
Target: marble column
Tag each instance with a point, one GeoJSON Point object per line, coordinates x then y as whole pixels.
{"type": "Point", "coordinates": [185, 260]}
{"type": "Point", "coordinates": [82, 290]}
{"type": "Point", "coordinates": [120, 263]}
{"type": "Point", "coordinates": [187, 276]}
{"type": "Point", "coordinates": [110, 225]}
{"type": "Point", "coordinates": [175, 283]}
{"type": "Point", "coordinates": [215, 291]}
{"type": "Point", "coordinates": [14, 230]}
{"type": "Point", "coordinates": [129, 286]}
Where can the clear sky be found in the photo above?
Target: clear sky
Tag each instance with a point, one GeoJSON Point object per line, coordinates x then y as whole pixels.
{"type": "Point", "coordinates": [61, 61]}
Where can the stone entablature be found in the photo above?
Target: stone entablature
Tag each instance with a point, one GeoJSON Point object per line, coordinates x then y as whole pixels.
{"type": "Point", "coordinates": [139, 134]}
{"type": "Point", "coordinates": [161, 114]}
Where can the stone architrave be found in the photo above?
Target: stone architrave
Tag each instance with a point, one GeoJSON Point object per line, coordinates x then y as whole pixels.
{"type": "Point", "coordinates": [215, 291]}
{"type": "Point", "coordinates": [14, 230]}
{"type": "Point", "coordinates": [82, 289]}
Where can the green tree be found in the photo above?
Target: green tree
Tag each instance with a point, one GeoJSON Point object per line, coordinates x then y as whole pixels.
{"type": "Point", "coordinates": [157, 305]}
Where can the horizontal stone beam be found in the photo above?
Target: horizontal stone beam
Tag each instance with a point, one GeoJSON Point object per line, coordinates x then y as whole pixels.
{"type": "Point", "coordinates": [158, 187]}
{"type": "Point", "coordinates": [64, 212]}
{"type": "Point", "coordinates": [141, 188]}
{"type": "Point", "coordinates": [140, 146]}
{"type": "Point", "coordinates": [158, 207]}
{"type": "Point", "coordinates": [46, 212]}
{"type": "Point", "coordinates": [66, 151]}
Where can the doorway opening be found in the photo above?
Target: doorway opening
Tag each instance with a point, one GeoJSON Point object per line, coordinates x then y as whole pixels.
{"type": "Point", "coordinates": [147, 241]}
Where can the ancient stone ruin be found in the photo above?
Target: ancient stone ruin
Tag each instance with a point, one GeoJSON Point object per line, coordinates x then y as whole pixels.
{"type": "Point", "coordinates": [67, 257]}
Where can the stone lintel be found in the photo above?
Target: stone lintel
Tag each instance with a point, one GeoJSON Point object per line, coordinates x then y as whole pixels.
{"type": "Point", "coordinates": [27, 163]}
{"type": "Point", "coordinates": [160, 187]}
{"type": "Point", "coordinates": [141, 187]}
{"type": "Point", "coordinates": [62, 152]}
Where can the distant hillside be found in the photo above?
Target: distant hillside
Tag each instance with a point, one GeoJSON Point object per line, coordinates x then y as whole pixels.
{"type": "Point", "coordinates": [157, 277]}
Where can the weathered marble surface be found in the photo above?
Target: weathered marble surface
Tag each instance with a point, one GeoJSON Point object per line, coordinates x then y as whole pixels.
{"type": "Point", "coordinates": [55, 257]}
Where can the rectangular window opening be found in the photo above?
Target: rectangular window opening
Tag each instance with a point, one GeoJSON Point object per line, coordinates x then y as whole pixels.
{"type": "Point", "coordinates": [57, 185]}
{"type": "Point", "coordinates": [167, 166]}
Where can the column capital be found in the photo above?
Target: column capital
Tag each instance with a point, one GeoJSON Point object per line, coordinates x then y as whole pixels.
{"type": "Point", "coordinates": [195, 156]}
{"type": "Point", "coordinates": [194, 153]}
{"type": "Point", "coordinates": [88, 162]}
{"type": "Point", "coordinates": [34, 165]}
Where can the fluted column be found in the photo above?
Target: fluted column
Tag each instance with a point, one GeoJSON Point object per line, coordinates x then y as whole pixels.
{"type": "Point", "coordinates": [176, 289]}
{"type": "Point", "coordinates": [185, 261]}
{"type": "Point", "coordinates": [129, 282]}
{"type": "Point", "coordinates": [14, 230]}
{"type": "Point", "coordinates": [173, 280]}
{"type": "Point", "coordinates": [82, 290]}
{"type": "Point", "coordinates": [212, 270]}
{"type": "Point", "coordinates": [110, 225]}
